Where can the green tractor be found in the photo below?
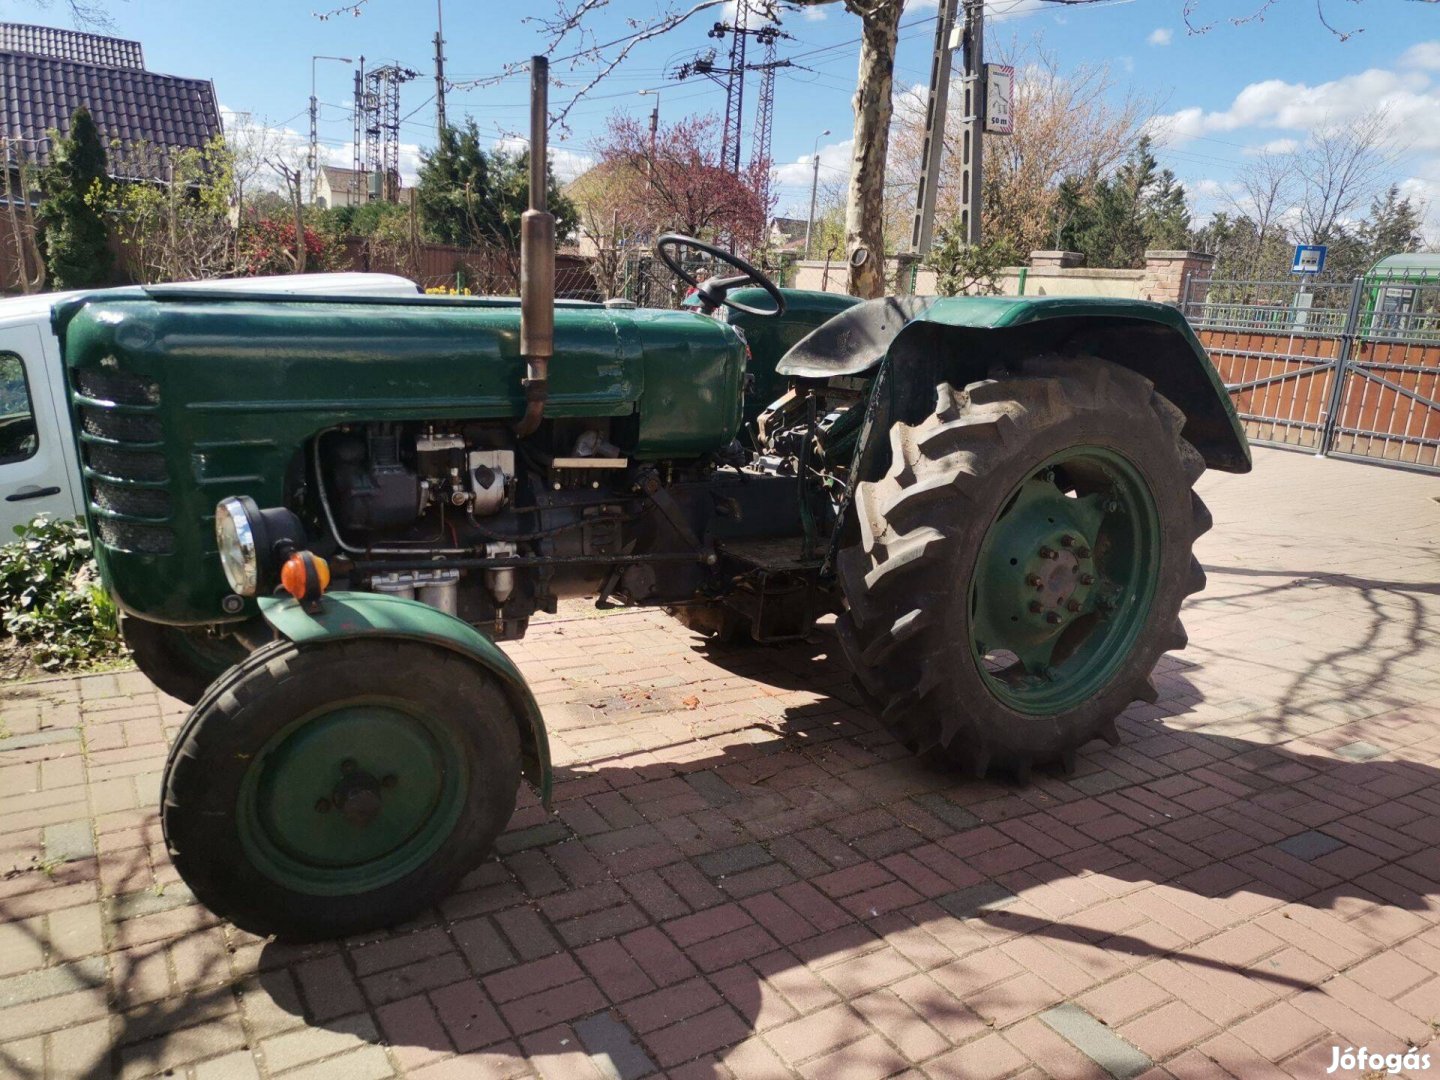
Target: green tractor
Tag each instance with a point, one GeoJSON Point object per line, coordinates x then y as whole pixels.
{"type": "Point", "coordinates": [319, 515]}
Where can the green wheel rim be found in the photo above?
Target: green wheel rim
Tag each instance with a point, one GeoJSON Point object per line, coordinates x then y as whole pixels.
{"type": "Point", "coordinates": [352, 797]}
{"type": "Point", "coordinates": [1065, 580]}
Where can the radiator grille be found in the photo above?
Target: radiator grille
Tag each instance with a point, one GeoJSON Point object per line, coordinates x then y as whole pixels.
{"type": "Point", "coordinates": [123, 427]}
{"type": "Point", "coordinates": [126, 464]}
{"type": "Point", "coordinates": [121, 387]}
{"type": "Point", "coordinates": [125, 476]}
{"type": "Point", "coordinates": [132, 501]}
{"type": "Point", "coordinates": [129, 536]}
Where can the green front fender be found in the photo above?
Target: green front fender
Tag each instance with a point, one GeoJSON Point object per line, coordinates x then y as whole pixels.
{"type": "Point", "coordinates": [353, 615]}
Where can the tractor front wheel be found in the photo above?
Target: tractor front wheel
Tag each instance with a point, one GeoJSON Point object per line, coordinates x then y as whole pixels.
{"type": "Point", "coordinates": [1022, 564]}
{"type": "Point", "coordinates": [328, 790]}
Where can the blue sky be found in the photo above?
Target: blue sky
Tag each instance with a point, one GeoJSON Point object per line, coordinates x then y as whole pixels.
{"type": "Point", "coordinates": [1227, 91]}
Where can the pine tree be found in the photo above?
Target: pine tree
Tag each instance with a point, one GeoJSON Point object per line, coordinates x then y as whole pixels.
{"type": "Point", "coordinates": [75, 186]}
{"type": "Point", "coordinates": [453, 189]}
{"type": "Point", "coordinates": [1141, 206]}
{"type": "Point", "coordinates": [472, 196]}
{"type": "Point", "coordinates": [1393, 226]}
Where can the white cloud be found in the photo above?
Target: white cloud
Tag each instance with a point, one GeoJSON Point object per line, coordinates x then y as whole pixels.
{"type": "Point", "coordinates": [1424, 55]}
{"type": "Point", "coordinates": [834, 161]}
{"type": "Point", "coordinates": [568, 164]}
{"type": "Point", "coordinates": [1161, 36]}
{"type": "Point", "coordinates": [1410, 98]}
{"type": "Point", "coordinates": [1275, 146]}
{"type": "Point", "coordinates": [1293, 111]}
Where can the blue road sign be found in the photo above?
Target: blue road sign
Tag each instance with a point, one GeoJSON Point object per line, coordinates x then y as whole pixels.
{"type": "Point", "coordinates": [1309, 259]}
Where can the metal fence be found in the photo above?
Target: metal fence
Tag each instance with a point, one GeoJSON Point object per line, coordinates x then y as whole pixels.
{"type": "Point", "coordinates": [1349, 368]}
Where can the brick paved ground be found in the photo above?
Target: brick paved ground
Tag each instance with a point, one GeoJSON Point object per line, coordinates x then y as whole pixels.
{"type": "Point", "coordinates": [745, 877]}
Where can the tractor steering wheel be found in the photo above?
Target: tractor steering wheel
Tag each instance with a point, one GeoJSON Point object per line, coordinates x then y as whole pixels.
{"type": "Point", "coordinates": [712, 290]}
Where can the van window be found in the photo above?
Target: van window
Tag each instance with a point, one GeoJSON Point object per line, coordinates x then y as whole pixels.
{"type": "Point", "coordinates": [19, 438]}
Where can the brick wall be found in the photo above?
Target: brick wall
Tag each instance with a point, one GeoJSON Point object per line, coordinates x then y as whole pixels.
{"type": "Point", "coordinates": [1049, 273]}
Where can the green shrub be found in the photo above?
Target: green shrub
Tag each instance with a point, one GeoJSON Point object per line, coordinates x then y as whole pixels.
{"type": "Point", "coordinates": [52, 604]}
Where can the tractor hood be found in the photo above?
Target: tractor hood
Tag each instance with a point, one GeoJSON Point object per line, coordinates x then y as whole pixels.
{"type": "Point", "coordinates": [288, 366]}
{"type": "Point", "coordinates": [983, 332]}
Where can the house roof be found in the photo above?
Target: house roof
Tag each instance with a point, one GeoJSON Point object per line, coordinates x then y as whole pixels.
{"type": "Point", "coordinates": [338, 177]}
{"type": "Point", "coordinates": [71, 45]}
{"type": "Point", "coordinates": [130, 105]}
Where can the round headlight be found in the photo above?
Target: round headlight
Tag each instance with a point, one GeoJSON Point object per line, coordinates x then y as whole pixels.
{"type": "Point", "coordinates": [235, 533]}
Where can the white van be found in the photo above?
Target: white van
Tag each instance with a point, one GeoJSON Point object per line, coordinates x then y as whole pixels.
{"type": "Point", "coordinates": [39, 472]}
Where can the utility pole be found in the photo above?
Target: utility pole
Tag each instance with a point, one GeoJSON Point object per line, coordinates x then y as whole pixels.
{"type": "Point", "coordinates": [933, 147]}
{"type": "Point", "coordinates": [313, 158]}
{"type": "Point", "coordinates": [654, 132]}
{"type": "Point", "coordinates": [358, 144]}
{"type": "Point", "coordinates": [439, 70]}
{"type": "Point", "coordinates": [971, 146]}
{"type": "Point", "coordinates": [814, 187]}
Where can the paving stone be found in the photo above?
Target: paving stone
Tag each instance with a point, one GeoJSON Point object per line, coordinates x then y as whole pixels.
{"type": "Point", "coordinates": [613, 1047]}
{"type": "Point", "coordinates": [1096, 1041]}
{"type": "Point", "coordinates": [40, 738]}
{"type": "Point", "coordinates": [551, 832]}
{"type": "Point", "coordinates": [1310, 845]}
{"type": "Point", "coordinates": [1098, 783]}
{"type": "Point", "coordinates": [1360, 751]}
{"type": "Point", "coordinates": [733, 860]}
{"type": "Point", "coordinates": [52, 982]}
{"type": "Point", "coordinates": [149, 902]}
{"type": "Point", "coordinates": [69, 841]}
{"type": "Point", "coordinates": [967, 903]}
{"type": "Point", "coordinates": [713, 788]}
{"type": "Point", "coordinates": [957, 817]}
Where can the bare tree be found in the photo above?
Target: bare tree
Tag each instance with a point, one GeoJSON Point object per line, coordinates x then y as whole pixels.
{"type": "Point", "coordinates": [176, 228]}
{"type": "Point", "coordinates": [86, 14]}
{"type": "Point", "coordinates": [1344, 165]}
{"type": "Point", "coordinates": [611, 222]}
{"type": "Point", "coordinates": [252, 143]}
{"type": "Point", "coordinates": [1265, 193]}
{"type": "Point", "coordinates": [294, 178]}
{"type": "Point", "coordinates": [1070, 124]}
{"type": "Point", "coordinates": [26, 266]}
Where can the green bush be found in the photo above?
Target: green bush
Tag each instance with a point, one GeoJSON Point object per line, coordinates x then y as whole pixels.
{"type": "Point", "coordinates": [52, 605]}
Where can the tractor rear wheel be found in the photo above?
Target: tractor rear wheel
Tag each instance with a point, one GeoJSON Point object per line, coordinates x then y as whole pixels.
{"type": "Point", "coordinates": [323, 791]}
{"type": "Point", "coordinates": [1022, 564]}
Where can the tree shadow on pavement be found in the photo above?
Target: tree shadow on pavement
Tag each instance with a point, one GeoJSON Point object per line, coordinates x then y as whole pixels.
{"type": "Point", "coordinates": [712, 875]}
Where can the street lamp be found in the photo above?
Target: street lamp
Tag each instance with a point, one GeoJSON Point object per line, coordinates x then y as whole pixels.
{"type": "Point", "coordinates": [310, 161]}
{"type": "Point", "coordinates": [814, 186]}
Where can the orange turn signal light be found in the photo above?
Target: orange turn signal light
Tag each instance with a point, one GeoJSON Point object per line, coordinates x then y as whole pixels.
{"type": "Point", "coordinates": [305, 576]}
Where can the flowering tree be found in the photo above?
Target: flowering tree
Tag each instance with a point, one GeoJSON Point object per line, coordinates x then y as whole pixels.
{"type": "Point", "coordinates": [267, 246]}
{"type": "Point", "coordinates": [675, 182]}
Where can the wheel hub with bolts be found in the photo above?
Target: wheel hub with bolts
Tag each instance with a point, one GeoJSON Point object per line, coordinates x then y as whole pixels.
{"type": "Point", "coordinates": [351, 797]}
{"type": "Point", "coordinates": [357, 795]}
{"type": "Point", "coordinates": [1064, 578]}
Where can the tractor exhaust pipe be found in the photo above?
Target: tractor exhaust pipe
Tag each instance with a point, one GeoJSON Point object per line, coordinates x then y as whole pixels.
{"type": "Point", "coordinates": [537, 260]}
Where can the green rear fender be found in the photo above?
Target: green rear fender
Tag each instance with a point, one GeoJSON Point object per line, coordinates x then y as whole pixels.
{"type": "Point", "coordinates": [354, 615]}
{"type": "Point", "coordinates": [963, 338]}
